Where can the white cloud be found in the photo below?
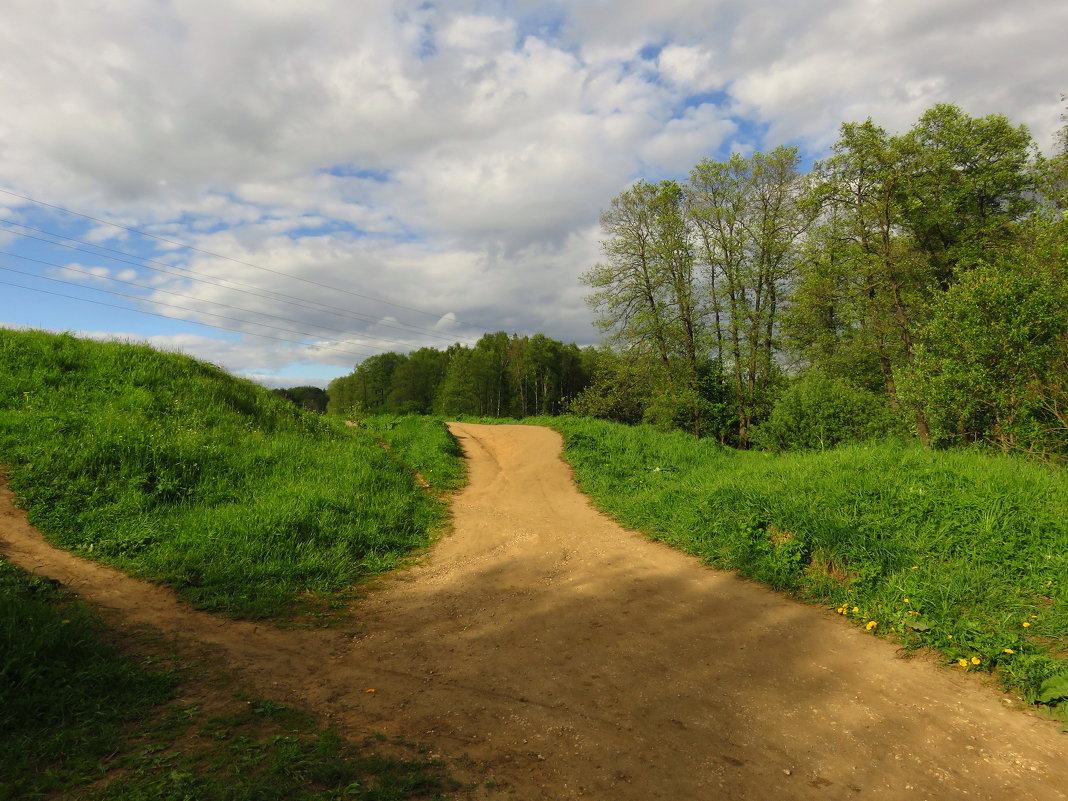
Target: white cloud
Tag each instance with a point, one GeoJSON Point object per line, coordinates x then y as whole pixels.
{"type": "Point", "coordinates": [454, 156]}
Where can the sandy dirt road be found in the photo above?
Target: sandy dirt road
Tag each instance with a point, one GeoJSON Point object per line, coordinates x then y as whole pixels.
{"type": "Point", "coordinates": [554, 655]}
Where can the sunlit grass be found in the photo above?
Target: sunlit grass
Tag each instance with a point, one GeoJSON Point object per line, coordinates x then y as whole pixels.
{"type": "Point", "coordinates": [173, 470]}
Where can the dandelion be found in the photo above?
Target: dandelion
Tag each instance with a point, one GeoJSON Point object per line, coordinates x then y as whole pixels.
{"type": "Point", "coordinates": [1009, 651]}
{"type": "Point", "coordinates": [976, 660]}
{"type": "Point", "coordinates": [1034, 617]}
{"type": "Point", "coordinates": [963, 663]}
{"type": "Point", "coordinates": [871, 624]}
{"type": "Point", "coordinates": [906, 600]}
{"type": "Point", "coordinates": [949, 636]}
{"type": "Point", "coordinates": [1026, 624]}
{"type": "Point", "coordinates": [915, 567]}
{"type": "Point", "coordinates": [857, 609]}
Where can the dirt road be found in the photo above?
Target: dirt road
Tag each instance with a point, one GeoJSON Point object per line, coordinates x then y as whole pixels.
{"type": "Point", "coordinates": [558, 656]}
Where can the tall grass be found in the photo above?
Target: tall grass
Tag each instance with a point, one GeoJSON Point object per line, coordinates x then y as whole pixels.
{"type": "Point", "coordinates": [959, 551]}
{"type": "Point", "coordinates": [173, 470]}
{"type": "Point", "coordinates": [422, 444]}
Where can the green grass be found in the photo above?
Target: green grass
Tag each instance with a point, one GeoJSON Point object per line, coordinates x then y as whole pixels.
{"type": "Point", "coordinates": [173, 470]}
{"type": "Point", "coordinates": [978, 544]}
{"type": "Point", "coordinates": [81, 719]}
{"type": "Point", "coordinates": [423, 445]}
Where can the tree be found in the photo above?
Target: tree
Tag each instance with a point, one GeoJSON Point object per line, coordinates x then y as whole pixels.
{"type": "Point", "coordinates": [993, 363]}
{"type": "Point", "coordinates": [903, 218]}
{"type": "Point", "coordinates": [749, 215]}
{"type": "Point", "coordinates": [646, 292]}
{"type": "Point", "coordinates": [311, 399]}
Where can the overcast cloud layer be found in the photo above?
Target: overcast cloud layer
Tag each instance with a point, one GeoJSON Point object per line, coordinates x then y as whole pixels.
{"type": "Point", "coordinates": [451, 157]}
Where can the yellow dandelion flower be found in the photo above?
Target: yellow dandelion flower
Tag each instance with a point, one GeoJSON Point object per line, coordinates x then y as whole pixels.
{"type": "Point", "coordinates": [906, 600]}
{"type": "Point", "coordinates": [976, 660]}
{"type": "Point", "coordinates": [857, 609]}
{"type": "Point", "coordinates": [871, 624]}
{"type": "Point", "coordinates": [963, 663]}
{"type": "Point", "coordinates": [949, 636]}
{"type": "Point", "coordinates": [1034, 617]}
{"type": "Point", "coordinates": [915, 567]}
{"type": "Point", "coordinates": [1009, 651]}
{"type": "Point", "coordinates": [1026, 624]}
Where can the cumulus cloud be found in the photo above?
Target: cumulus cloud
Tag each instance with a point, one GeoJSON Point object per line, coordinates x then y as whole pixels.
{"type": "Point", "coordinates": [451, 157]}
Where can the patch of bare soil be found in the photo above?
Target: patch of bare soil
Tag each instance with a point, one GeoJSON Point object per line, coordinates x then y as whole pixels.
{"type": "Point", "coordinates": [554, 655]}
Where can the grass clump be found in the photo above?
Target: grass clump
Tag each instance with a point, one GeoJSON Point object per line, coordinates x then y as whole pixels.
{"type": "Point", "coordinates": [175, 471]}
{"type": "Point", "coordinates": [263, 751]}
{"type": "Point", "coordinates": [959, 551]}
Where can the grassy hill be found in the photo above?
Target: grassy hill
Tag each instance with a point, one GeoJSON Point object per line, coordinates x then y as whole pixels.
{"type": "Point", "coordinates": [174, 470]}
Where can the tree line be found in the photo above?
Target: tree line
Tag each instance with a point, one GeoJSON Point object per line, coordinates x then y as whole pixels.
{"type": "Point", "coordinates": [912, 281]}
{"type": "Point", "coordinates": [501, 376]}
{"type": "Point", "coordinates": [911, 284]}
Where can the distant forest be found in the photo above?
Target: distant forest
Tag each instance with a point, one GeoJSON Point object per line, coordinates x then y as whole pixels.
{"type": "Point", "coordinates": [501, 376]}
{"type": "Point", "coordinates": [910, 285]}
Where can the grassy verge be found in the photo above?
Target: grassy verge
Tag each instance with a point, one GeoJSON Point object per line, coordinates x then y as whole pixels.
{"type": "Point", "coordinates": [173, 470]}
{"type": "Point", "coordinates": [962, 552]}
{"type": "Point", "coordinates": [80, 719]}
{"type": "Point", "coordinates": [423, 445]}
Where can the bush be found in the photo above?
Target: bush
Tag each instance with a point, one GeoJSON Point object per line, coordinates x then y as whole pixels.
{"type": "Point", "coordinates": [819, 411]}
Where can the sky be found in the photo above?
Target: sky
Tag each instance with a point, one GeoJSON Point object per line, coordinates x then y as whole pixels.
{"type": "Point", "coordinates": [284, 187]}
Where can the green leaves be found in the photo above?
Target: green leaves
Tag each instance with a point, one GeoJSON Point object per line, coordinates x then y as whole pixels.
{"type": "Point", "coordinates": [1054, 690]}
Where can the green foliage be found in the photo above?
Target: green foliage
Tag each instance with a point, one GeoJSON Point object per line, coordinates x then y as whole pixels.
{"type": "Point", "coordinates": [424, 446]}
{"type": "Point", "coordinates": [64, 694]}
{"type": "Point", "coordinates": [977, 543]}
{"type": "Point", "coordinates": [173, 470]}
{"type": "Point", "coordinates": [310, 399]}
{"type": "Point", "coordinates": [992, 364]}
{"type": "Point", "coordinates": [500, 376]}
{"type": "Point", "coordinates": [819, 411]}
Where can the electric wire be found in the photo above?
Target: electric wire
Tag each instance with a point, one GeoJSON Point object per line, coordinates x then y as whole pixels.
{"type": "Point", "coordinates": [231, 259]}
{"type": "Point", "coordinates": [180, 319]}
{"type": "Point", "coordinates": [189, 275]}
{"type": "Point", "coordinates": [169, 305]}
{"type": "Point", "coordinates": [187, 297]}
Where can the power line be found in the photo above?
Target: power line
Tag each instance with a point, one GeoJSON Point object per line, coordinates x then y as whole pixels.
{"type": "Point", "coordinates": [188, 297]}
{"type": "Point", "coordinates": [169, 317]}
{"type": "Point", "coordinates": [186, 274]}
{"type": "Point", "coordinates": [229, 258]}
{"type": "Point", "coordinates": [171, 306]}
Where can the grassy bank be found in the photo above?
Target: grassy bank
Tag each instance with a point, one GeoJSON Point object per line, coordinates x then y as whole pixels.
{"type": "Point", "coordinates": [81, 719]}
{"type": "Point", "coordinates": [962, 552]}
{"type": "Point", "coordinates": [423, 445]}
{"type": "Point", "coordinates": [173, 470]}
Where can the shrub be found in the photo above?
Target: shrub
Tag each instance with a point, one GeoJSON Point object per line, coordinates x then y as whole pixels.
{"type": "Point", "coordinates": [819, 411]}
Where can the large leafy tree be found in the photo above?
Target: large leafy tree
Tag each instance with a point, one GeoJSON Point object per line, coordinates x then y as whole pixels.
{"type": "Point", "coordinates": [903, 218]}
{"type": "Point", "coordinates": [749, 215]}
{"type": "Point", "coordinates": [647, 295]}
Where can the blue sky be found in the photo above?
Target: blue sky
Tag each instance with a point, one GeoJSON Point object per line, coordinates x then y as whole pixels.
{"type": "Point", "coordinates": [415, 173]}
